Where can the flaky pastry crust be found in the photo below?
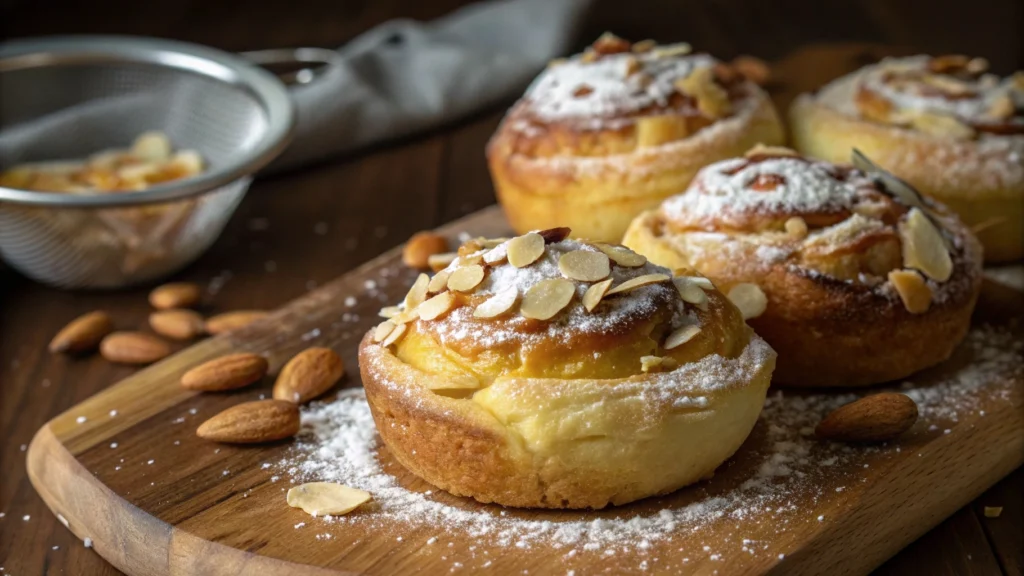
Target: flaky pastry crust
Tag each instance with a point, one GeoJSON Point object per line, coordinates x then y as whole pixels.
{"type": "Point", "coordinates": [614, 131]}
{"type": "Point", "coordinates": [582, 410]}
{"type": "Point", "coordinates": [957, 136]}
{"type": "Point", "coordinates": [829, 265]}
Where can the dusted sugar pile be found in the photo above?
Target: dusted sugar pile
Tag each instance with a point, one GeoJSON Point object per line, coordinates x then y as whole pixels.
{"type": "Point", "coordinates": [779, 465]}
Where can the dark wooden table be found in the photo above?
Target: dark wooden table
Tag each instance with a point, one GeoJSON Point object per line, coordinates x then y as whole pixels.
{"type": "Point", "coordinates": [297, 230]}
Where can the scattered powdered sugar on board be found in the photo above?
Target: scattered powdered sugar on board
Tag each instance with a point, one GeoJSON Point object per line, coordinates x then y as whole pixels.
{"type": "Point", "coordinates": [785, 467]}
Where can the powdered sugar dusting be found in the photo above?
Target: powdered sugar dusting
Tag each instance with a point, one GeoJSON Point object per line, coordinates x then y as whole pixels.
{"type": "Point", "coordinates": [778, 480]}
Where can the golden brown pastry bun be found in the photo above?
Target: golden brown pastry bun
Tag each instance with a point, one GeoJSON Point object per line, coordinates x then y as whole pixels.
{"type": "Point", "coordinates": [851, 276]}
{"type": "Point", "coordinates": [604, 135]}
{"type": "Point", "coordinates": [545, 372]}
{"type": "Point", "coordinates": [943, 125]}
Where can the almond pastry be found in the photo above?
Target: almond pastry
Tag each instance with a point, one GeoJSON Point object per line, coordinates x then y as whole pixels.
{"type": "Point", "coordinates": [633, 390]}
{"type": "Point", "coordinates": [611, 132]}
{"type": "Point", "coordinates": [841, 269]}
{"type": "Point", "coordinates": [943, 124]}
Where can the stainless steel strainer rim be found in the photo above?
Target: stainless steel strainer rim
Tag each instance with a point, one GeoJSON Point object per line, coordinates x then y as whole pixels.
{"type": "Point", "coordinates": [270, 92]}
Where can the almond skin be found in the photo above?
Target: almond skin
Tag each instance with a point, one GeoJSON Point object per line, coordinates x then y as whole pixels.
{"type": "Point", "coordinates": [226, 373]}
{"type": "Point", "coordinates": [420, 247]}
{"type": "Point", "coordinates": [871, 419]}
{"type": "Point", "coordinates": [83, 333]}
{"type": "Point", "coordinates": [177, 323]}
{"type": "Point", "coordinates": [308, 375]}
{"type": "Point", "coordinates": [229, 321]}
{"type": "Point", "coordinates": [252, 423]}
{"type": "Point", "coordinates": [133, 348]}
{"type": "Point", "coordinates": [175, 295]}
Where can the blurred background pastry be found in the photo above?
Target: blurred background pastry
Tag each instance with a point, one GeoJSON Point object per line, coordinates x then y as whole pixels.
{"type": "Point", "coordinates": [944, 124]}
{"type": "Point", "coordinates": [547, 372]}
{"type": "Point", "coordinates": [608, 133]}
{"type": "Point", "coordinates": [848, 273]}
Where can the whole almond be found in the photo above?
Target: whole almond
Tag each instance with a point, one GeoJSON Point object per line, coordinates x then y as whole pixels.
{"type": "Point", "coordinates": [82, 333]}
{"type": "Point", "coordinates": [177, 323]}
{"type": "Point", "coordinates": [309, 374]}
{"type": "Point", "coordinates": [871, 419]}
{"type": "Point", "coordinates": [420, 247]}
{"type": "Point", "coordinates": [226, 373]}
{"type": "Point", "coordinates": [133, 348]}
{"type": "Point", "coordinates": [229, 321]}
{"type": "Point", "coordinates": [252, 423]}
{"type": "Point", "coordinates": [175, 295]}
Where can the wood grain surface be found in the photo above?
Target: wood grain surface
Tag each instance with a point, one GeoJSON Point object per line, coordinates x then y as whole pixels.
{"type": "Point", "coordinates": [299, 230]}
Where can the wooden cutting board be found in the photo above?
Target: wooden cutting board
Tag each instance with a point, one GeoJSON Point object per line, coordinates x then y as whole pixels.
{"type": "Point", "coordinates": [154, 499]}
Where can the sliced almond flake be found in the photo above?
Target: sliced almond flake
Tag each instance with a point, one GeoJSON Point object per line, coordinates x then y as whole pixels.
{"type": "Point", "coordinates": [382, 330]}
{"type": "Point", "coordinates": [498, 304]}
{"type": "Point", "coordinates": [670, 50]}
{"type": "Point", "coordinates": [547, 298]}
{"type": "Point", "coordinates": [584, 265]}
{"type": "Point", "coordinates": [655, 363]}
{"type": "Point", "coordinates": [912, 289]}
{"type": "Point", "coordinates": [466, 278]}
{"type": "Point", "coordinates": [749, 298]}
{"type": "Point", "coordinates": [406, 316]}
{"type": "Point", "coordinates": [681, 336]}
{"type": "Point", "coordinates": [491, 242]}
{"type": "Point", "coordinates": [525, 250]}
{"type": "Point", "coordinates": [472, 259]}
{"type": "Point", "coordinates": [453, 382]}
{"type": "Point", "coordinates": [438, 262]}
{"type": "Point", "coordinates": [637, 282]}
{"type": "Point", "coordinates": [621, 255]}
{"type": "Point", "coordinates": [796, 226]}
{"type": "Point", "coordinates": [418, 292]}
{"type": "Point", "coordinates": [942, 126]}
{"type": "Point", "coordinates": [395, 335]}
{"type": "Point", "coordinates": [592, 297]}
{"type": "Point", "coordinates": [923, 247]}
{"type": "Point", "coordinates": [389, 311]}
{"type": "Point", "coordinates": [703, 282]}
{"type": "Point", "coordinates": [762, 150]}
{"type": "Point", "coordinates": [437, 306]}
{"type": "Point", "coordinates": [323, 498]}
{"type": "Point", "coordinates": [496, 255]}
{"type": "Point", "coordinates": [690, 292]}
{"type": "Point", "coordinates": [439, 282]}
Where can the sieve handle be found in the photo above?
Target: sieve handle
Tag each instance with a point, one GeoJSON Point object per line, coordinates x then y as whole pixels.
{"type": "Point", "coordinates": [292, 60]}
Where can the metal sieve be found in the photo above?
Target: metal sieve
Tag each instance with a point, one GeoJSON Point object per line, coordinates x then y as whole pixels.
{"type": "Point", "coordinates": [69, 97]}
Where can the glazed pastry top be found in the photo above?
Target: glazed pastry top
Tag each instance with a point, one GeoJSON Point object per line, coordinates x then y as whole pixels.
{"type": "Point", "coordinates": [859, 226]}
{"type": "Point", "coordinates": [948, 96]}
{"type": "Point", "coordinates": [544, 306]}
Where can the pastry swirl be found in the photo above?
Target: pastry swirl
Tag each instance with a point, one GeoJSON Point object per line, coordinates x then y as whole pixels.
{"type": "Point", "coordinates": [603, 135]}
{"type": "Point", "coordinates": [561, 374]}
{"type": "Point", "coordinates": [943, 124]}
{"type": "Point", "coordinates": [865, 281]}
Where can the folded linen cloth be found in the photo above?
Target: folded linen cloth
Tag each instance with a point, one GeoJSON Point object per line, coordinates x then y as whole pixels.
{"type": "Point", "coordinates": [403, 77]}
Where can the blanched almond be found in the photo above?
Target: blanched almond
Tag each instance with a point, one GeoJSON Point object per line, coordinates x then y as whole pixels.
{"type": "Point", "coordinates": [497, 304]}
{"type": "Point", "coordinates": [82, 333]}
{"type": "Point", "coordinates": [229, 321]}
{"type": "Point", "coordinates": [418, 292]}
{"type": "Point", "coordinates": [466, 278]}
{"type": "Point", "coordinates": [681, 336]}
{"type": "Point", "coordinates": [421, 246]}
{"type": "Point", "coordinates": [912, 289]}
{"type": "Point", "coordinates": [326, 498]}
{"type": "Point", "coordinates": [309, 374]}
{"type": "Point", "coordinates": [252, 423]}
{"type": "Point", "coordinates": [923, 247]}
{"type": "Point", "coordinates": [525, 250]}
{"type": "Point", "coordinates": [750, 299]}
{"type": "Point", "coordinates": [226, 373]}
{"type": "Point", "coordinates": [437, 306]}
{"type": "Point", "coordinates": [584, 265]}
{"type": "Point", "coordinates": [621, 255]}
{"type": "Point", "coordinates": [593, 296]}
{"type": "Point", "coordinates": [133, 348]}
{"type": "Point", "coordinates": [547, 298]}
{"type": "Point", "coordinates": [177, 323]}
{"type": "Point", "coordinates": [634, 283]}
{"type": "Point", "coordinates": [175, 295]}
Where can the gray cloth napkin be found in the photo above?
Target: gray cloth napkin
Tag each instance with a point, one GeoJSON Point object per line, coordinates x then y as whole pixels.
{"type": "Point", "coordinates": [403, 77]}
